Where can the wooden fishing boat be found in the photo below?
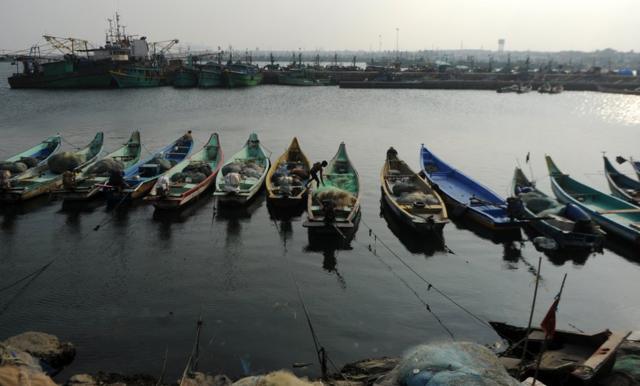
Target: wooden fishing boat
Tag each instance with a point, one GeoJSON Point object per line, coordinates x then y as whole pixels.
{"type": "Point", "coordinates": [466, 197]}
{"type": "Point", "coordinates": [141, 176]}
{"type": "Point", "coordinates": [88, 181]}
{"type": "Point", "coordinates": [613, 214]}
{"type": "Point", "coordinates": [567, 224]}
{"type": "Point", "coordinates": [41, 179]}
{"type": "Point", "coordinates": [566, 355]}
{"type": "Point", "coordinates": [287, 179]}
{"type": "Point", "coordinates": [243, 175]}
{"type": "Point", "coordinates": [38, 155]}
{"type": "Point", "coordinates": [636, 167]}
{"type": "Point", "coordinates": [410, 197]}
{"type": "Point", "coordinates": [621, 185]}
{"type": "Point", "coordinates": [335, 206]}
{"type": "Point", "coordinates": [189, 178]}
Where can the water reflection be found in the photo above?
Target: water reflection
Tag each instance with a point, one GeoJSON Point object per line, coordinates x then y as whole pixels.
{"type": "Point", "coordinates": [624, 249]}
{"type": "Point", "coordinates": [329, 246]}
{"type": "Point", "coordinates": [497, 237]}
{"type": "Point", "coordinates": [415, 243]}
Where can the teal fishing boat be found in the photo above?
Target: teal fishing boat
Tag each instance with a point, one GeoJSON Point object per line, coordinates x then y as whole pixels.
{"type": "Point", "coordinates": [242, 75]}
{"type": "Point", "coordinates": [48, 177]}
{"type": "Point", "coordinates": [210, 75]}
{"type": "Point", "coordinates": [335, 206]}
{"type": "Point", "coordinates": [302, 78]}
{"type": "Point", "coordinates": [243, 175]}
{"type": "Point", "coordinates": [189, 178]}
{"type": "Point", "coordinates": [90, 180]}
{"type": "Point", "coordinates": [136, 77]}
{"type": "Point", "coordinates": [186, 76]}
{"type": "Point", "coordinates": [621, 185]}
{"type": "Point", "coordinates": [30, 158]}
{"type": "Point", "coordinates": [614, 215]}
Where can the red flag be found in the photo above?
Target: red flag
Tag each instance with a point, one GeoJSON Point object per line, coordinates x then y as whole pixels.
{"type": "Point", "coordinates": [549, 322]}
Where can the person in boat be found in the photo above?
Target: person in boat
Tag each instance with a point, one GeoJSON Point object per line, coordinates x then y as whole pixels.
{"type": "Point", "coordinates": [316, 170]}
{"type": "Point", "coordinates": [185, 140]}
{"type": "Point", "coordinates": [116, 181]}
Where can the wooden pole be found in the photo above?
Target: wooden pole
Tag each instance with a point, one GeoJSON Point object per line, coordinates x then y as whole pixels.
{"type": "Point", "coordinates": [533, 306]}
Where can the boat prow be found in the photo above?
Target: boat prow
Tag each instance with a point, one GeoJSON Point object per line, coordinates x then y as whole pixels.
{"type": "Point", "coordinates": [287, 179]}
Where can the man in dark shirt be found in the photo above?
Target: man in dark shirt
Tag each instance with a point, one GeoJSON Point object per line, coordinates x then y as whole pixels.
{"type": "Point", "coordinates": [316, 170]}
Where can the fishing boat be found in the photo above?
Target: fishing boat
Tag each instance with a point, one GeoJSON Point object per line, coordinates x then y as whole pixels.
{"type": "Point", "coordinates": [287, 179]}
{"type": "Point", "coordinates": [241, 75]}
{"type": "Point", "coordinates": [508, 89]}
{"type": "Point", "coordinates": [565, 358]}
{"type": "Point", "coordinates": [189, 178]}
{"type": "Point", "coordinates": [90, 180]}
{"type": "Point", "coordinates": [141, 176]}
{"type": "Point", "coordinates": [466, 197]}
{"type": "Point", "coordinates": [410, 197]}
{"type": "Point", "coordinates": [334, 207]}
{"type": "Point", "coordinates": [621, 185]}
{"type": "Point", "coordinates": [186, 75]}
{"type": "Point", "coordinates": [626, 91]}
{"type": "Point", "coordinates": [138, 76]}
{"type": "Point", "coordinates": [43, 179]}
{"type": "Point", "coordinates": [567, 224]}
{"type": "Point", "coordinates": [243, 175]}
{"type": "Point", "coordinates": [614, 215]}
{"type": "Point", "coordinates": [302, 77]}
{"type": "Point", "coordinates": [210, 75]}
{"type": "Point", "coordinates": [33, 157]}
{"type": "Point", "coordinates": [524, 88]}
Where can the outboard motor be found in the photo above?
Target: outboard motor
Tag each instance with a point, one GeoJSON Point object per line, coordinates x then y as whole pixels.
{"type": "Point", "coordinates": [329, 211]}
{"type": "Point", "coordinates": [580, 217]}
{"type": "Point", "coordinates": [515, 208]}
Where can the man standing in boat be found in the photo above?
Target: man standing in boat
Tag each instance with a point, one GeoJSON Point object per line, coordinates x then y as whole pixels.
{"type": "Point", "coordinates": [316, 170]}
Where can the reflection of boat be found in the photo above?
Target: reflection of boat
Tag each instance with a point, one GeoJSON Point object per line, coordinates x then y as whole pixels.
{"type": "Point", "coordinates": [621, 185]}
{"type": "Point", "coordinates": [410, 197]}
{"type": "Point", "coordinates": [141, 177]}
{"type": "Point", "coordinates": [39, 154]}
{"type": "Point", "coordinates": [243, 174]}
{"type": "Point", "coordinates": [333, 207]}
{"type": "Point", "coordinates": [189, 179]}
{"type": "Point", "coordinates": [626, 91]}
{"type": "Point", "coordinates": [89, 181]}
{"type": "Point", "coordinates": [466, 197]}
{"type": "Point", "coordinates": [616, 216]}
{"type": "Point", "coordinates": [42, 179]}
{"type": "Point", "coordinates": [416, 243]}
{"type": "Point", "coordinates": [287, 179]}
{"type": "Point", "coordinates": [496, 237]}
{"type": "Point", "coordinates": [565, 355]}
{"type": "Point", "coordinates": [567, 224]}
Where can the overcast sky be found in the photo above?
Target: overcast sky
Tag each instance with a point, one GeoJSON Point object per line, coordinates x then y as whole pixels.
{"type": "Point", "coordinates": [543, 25]}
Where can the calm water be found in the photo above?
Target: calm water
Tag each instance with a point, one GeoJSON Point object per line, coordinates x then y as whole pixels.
{"type": "Point", "coordinates": [134, 288]}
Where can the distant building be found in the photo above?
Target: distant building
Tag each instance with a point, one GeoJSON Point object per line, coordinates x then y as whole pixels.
{"type": "Point", "coordinates": [501, 45]}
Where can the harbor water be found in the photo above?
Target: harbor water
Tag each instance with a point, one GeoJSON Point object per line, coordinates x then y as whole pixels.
{"type": "Point", "coordinates": [133, 289]}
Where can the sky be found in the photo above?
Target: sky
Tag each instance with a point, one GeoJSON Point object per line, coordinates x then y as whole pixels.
{"type": "Point", "coordinates": [538, 25]}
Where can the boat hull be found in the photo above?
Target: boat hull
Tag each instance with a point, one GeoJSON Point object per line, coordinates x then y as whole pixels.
{"type": "Point", "coordinates": [16, 195]}
{"type": "Point", "coordinates": [67, 81]}
{"type": "Point", "coordinates": [124, 80]}
{"type": "Point", "coordinates": [172, 203]}
{"type": "Point", "coordinates": [80, 194]}
{"type": "Point", "coordinates": [235, 79]}
{"type": "Point", "coordinates": [209, 79]}
{"type": "Point", "coordinates": [185, 79]}
{"type": "Point", "coordinates": [418, 227]}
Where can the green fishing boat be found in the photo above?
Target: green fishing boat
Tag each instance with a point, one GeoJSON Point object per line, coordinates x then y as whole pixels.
{"type": "Point", "coordinates": [244, 174]}
{"type": "Point", "coordinates": [89, 181]}
{"type": "Point", "coordinates": [614, 215]}
{"type": "Point", "coordinates": [187, 75]}
{"type": "Point", "coordinates": [46, 178]}
{"type": "Point", "coordinates": [71, 72]}
{"type": "Point", "coordinates": [137, 77]}
{"type": "Point", "coordinates": [189, 178]}
{"type": "Point", "coordinates": [302, 78]}
{"type": "Point", "coordinates": [210, 75]}
{"type": "Point", "coordinates": [335, 206]}
{"type": "Point", "coordinates": [241, 75]}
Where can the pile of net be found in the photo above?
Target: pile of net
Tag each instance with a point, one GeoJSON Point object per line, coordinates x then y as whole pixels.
{"type": "Point", "coordinates": [105, 166]}
{"type": "Point", "coordinates": [162, 166]}
{"type": "Point", "coordinates": [19, 166]}
{"type": "Point", "coordinates": [65, 161]}
{"type": "Point", "coordinates": [540, 204]}
{"type": "Point", "coordinates": [449, 364]}
{"type": "Point", "coordinates": [248, 169]}
{"type": "Point", "coordinates": [195, 172]}
{"type": "Point", "coordinates": [289, 177]}
{"type": "Point", "coordinates": [409, 193]}
{"type": "Point", "coordinates": [339, 197]}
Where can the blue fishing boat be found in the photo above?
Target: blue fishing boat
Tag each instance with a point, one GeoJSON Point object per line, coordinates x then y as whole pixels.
{"type": "Point", "coordinates": [614, 215]}
{"type": "Point", "coordinates": [466, 197]}
{"type": "Point", "coordinates": [621, 185]}
{"type": "Point", "coordinates": [567, 224]}
{"type": "Point", "coordinates": [141, 177]}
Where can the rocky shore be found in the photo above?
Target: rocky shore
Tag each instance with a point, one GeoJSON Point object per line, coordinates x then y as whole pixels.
{"type": "Point", "coordinates": [32, 358]}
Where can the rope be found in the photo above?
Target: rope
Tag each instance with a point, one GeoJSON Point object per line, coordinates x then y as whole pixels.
{"type": "Point", "coordinates": [429, 284]}
{"type": "Point", "coordinates": [69, 143]}
{"type": "Point", "coordinates": [36, 272]}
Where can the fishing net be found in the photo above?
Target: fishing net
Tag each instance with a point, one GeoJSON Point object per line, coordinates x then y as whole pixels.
{"type": "Point", "coordinates": [450, 364]}
{"type": "Point", "coordinates": [339, 197]}
{"type": "Point", "coordinates": [65, 161]}
{"type": "Point", "coordinates": [29, 161]}
{"type": "Point", "coordinates": [343, 181]}
{"type": "Point", "coordinates": [13, 167]}
{"type": "Point", "coordinates": [195, 172]}
{"type": "Point", "coordinates": [411, 198]}
{"type": "Point", "coordinates": [104, 167]}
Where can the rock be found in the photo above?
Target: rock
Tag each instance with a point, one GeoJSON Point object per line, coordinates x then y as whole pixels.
{"type": "Point", "coordinates": [81, 380]}
{"type": "Point", "coordinates": [45, 347]}
{"type": "Point", "coordinates": [22, 376]}
{"type": "Point", "coordinates": [200, 379]}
